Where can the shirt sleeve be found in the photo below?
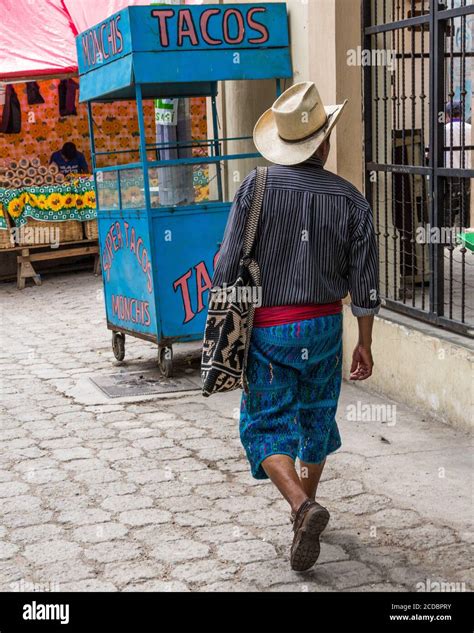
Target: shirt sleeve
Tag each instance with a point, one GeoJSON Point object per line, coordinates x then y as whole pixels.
{"type": "Point", "coordinates": [83, 164]}
{"type": "Point", "coordinates": [363, 265]}
{"type": "Point", "coordinates": [230, 252]}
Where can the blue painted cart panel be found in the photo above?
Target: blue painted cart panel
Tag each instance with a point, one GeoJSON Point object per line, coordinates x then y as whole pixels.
{"type": "Point", "coordinates": [159, 290]}
{"type": "Point", "coordinates": [126, 259]}
{"type": "Point", "coordinates": [162, 44]}
{"type": "Point", "coordinates": [186, 245]}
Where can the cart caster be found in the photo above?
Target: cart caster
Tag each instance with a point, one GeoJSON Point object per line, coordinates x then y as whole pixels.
{"type": "Point", "coordinates": [118, 345]}
{"type": "Point", "coordinates": [165, 361]}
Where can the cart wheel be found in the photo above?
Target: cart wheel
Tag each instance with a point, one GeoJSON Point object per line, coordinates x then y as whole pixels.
{"type": "Point", "coordinates": [118, 345]}
{"type": "Point", "coordinates": [165, 361]}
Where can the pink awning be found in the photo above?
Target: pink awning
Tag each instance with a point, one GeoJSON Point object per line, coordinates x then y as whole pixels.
{"type": "Point", "coordinates": [37, 38]}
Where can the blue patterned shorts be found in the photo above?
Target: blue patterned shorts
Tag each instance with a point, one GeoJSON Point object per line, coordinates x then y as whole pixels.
{"type": "Point", "coordinates": [294, 373]}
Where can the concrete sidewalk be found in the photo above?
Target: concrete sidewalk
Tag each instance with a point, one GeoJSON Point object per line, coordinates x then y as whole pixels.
{"type": "Point", "coordinates": [155, 494]}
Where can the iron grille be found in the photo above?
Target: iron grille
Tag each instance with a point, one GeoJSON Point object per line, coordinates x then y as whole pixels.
{"type": "Point", "coordinates": [418, 98]}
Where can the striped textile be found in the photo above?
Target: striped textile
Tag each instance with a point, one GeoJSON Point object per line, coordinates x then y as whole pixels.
{"type": "Point", "coordinates": [315, 241]}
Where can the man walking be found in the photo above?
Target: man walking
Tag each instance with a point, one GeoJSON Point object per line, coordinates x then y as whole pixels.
{"type": "Point", "coordinates": [315, 243]}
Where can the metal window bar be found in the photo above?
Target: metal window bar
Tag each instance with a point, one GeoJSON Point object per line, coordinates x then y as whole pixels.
{"type": "Point", "coordinates": [418, 177]}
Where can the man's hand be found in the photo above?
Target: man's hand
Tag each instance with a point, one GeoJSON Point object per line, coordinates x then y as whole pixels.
{"type": "Point", "coordinates": [362, 363]}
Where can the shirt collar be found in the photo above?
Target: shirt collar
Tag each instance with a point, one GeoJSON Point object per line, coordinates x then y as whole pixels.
{"type": "Point", "coordinates": [315, 161]}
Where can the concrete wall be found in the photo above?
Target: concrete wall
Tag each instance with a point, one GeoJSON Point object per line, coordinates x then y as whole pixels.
{"type": "Point", "coordinates": [423, 366]}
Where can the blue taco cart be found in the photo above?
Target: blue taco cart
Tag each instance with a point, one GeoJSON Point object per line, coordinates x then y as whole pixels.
{"type": "Point", "coordinates": [158, 244]}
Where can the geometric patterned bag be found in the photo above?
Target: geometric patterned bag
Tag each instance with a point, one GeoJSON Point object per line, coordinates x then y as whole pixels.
{"type": "Point", "coordinates": [231, 312]}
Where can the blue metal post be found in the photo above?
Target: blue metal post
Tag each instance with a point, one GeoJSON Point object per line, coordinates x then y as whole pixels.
{"type": "Point", "coordinates": [143, 154]}
{"type": "Point", "coordinates": [90, 121]}
{"type": "Point", "coordinates": [216, 146]}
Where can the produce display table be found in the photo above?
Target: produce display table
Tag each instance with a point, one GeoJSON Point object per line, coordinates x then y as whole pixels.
{"type": "Point", "coordinates": [47, 223]}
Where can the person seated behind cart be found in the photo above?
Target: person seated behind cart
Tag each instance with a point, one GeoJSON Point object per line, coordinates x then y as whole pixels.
{"type": "Point", "coordinates": [70, 160]}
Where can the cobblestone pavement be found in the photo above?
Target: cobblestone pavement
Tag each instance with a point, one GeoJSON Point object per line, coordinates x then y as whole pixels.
{"type": "Point", "coordinates": [156, 494]}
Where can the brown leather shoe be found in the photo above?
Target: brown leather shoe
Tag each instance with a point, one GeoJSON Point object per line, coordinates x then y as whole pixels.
{"type": "Point", "coordinates": [310, 521]}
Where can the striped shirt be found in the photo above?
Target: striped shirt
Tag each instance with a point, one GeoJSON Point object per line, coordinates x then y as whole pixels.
{"type": "Point", "coordinates": [315, 242]}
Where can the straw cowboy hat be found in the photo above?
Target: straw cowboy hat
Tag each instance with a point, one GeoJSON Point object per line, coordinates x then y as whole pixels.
{"type": "Point", "coordinates": [296, 125]}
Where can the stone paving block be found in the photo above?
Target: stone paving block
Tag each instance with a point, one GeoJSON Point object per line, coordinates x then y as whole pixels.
{"type": "Point", "coordinates": [202, 518]}
{"type": "Point", "coordinates": [127, 572]}
{"type": "Point", "coordinates": [157, 534]}
{"type": "Point", "coordinates": [266, 517]}
{"type": "Point", "coordinates": [339, 488]}
{"type": "Point", "coordinates": [345, 574]}
{"type": "Point", "coordinates": [113, 552]}
{"type": "Point", "coordinates": [99, 476]}
{"type": "Point", "coordinates": [207, 476]}
{"type": "Point", "coordinates": [422, 537]}
{"type": "Point", "coordinates": [181, 433]}
{"type": "Point", "coordinates": [28, 465]}
{"type": "Point", "coordinates": [93, 585]}
{"type": "Point", "coordinates": [112, 489]}
{"type": "Point", "coordinates": [12, 489]}
{"type": "Point", "coordinates": [18, 446]}
{"type": "Point", "coordinates": [362, 504]}
{"type": "Point", "coordinates": [170, 423]}
{"type": "Point", "coordinates": [140, 433]}
{"type": "Point", "coordinates": [99, 532]}
{"type": "Point", "coordinates": [166, 454]}
{"type": "Point", "coordinates": [247, 552]}
{"type": "Point", "coordinates": [45, 476]}
{"type": "Point", "coordinates": [65, 571]}
{"type": "Point", "coordinates": [225, 533]}
{"type": "Point", "coordinates": [301, 587]}
{"type": "Point", "coordinates": [204, 571]}
{"type": "Point", "coordinates": [126, 424]}
{"type": "Point", "coordinates": [126, 502]}
{"type": "Point", "coordinates": [229, 585]}
{"type": "Point", "coordinates": [395, 518]}
{"type": "Point", "coordinates": [68, 454]}
{"type": "Point", "coordinates": [236, 505]}
{"type": "Point", "coordinates": [153, 443]}
{"type": "Point", "coordinates": [380, 588]}
{"type": "Point", "coordinates": [158, 586]}
{"type": "Point", "coordinates": [144, 516]}
{"type": "Point", "coordinates": [179, 550]}
{"type": "Point", "coordinates": [45, 552]}
{"type": "Point", "coordinates": [32, 533]}
{"type": "Point", "coordinates": [71, 503]}
{"type": "Point", "coordinates": [164, 489]}
{"type": "Point", "coordinates": [127, 452]}
{"type": "Point", "coordinates": [7, 475]}
{"type": "Point", "coordinates": [20, 503]}
{"type": "Point", "coordinates": [11, 575]}
{"type": "Point", "coordinates": [15, 519]}
{"type": "Point", "coordinates": [184, 503]}
{"type": "Point", "coordinates": [83, 516]}
{"type": "Point", "coordinates": [147, 476]}
{"type": "Point", "coordinates": [270, 572]}
{"type": "Point", "coordinates": [7, 550]}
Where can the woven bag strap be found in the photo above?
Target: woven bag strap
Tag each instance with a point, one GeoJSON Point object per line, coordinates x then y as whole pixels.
{"type": "Point", "coordinates": [253, 217]}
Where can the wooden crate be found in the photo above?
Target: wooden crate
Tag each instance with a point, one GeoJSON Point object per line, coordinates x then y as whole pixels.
{"type": "Point", "coordinates": [91, 230]}
{"type": "Point", "coordinates": [67, 231]}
